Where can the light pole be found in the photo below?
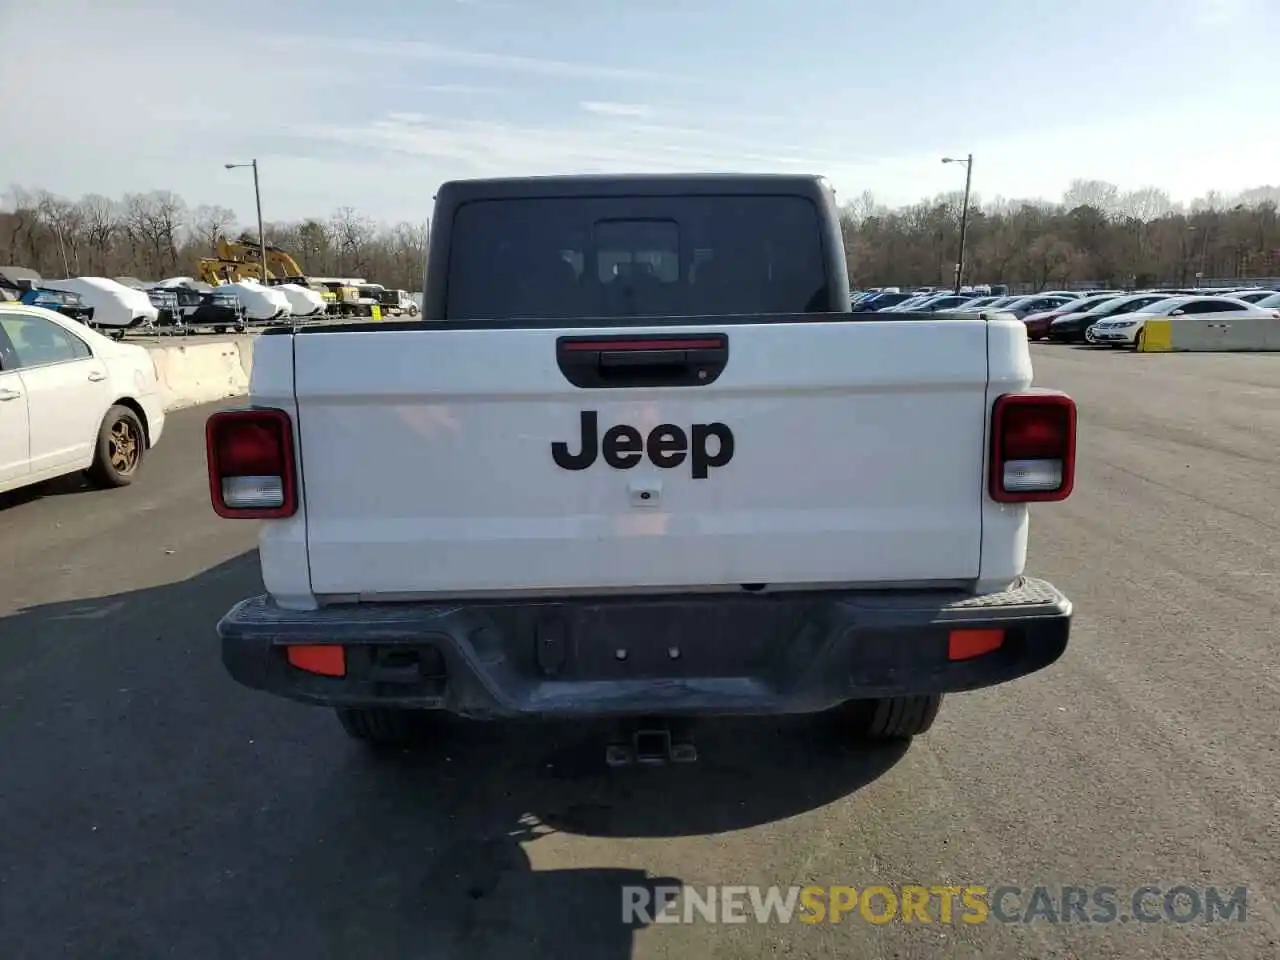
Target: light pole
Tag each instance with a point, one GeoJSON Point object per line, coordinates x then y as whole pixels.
{"type": "Point", "coordinates": [257, 196]}
{"type": "Point", "coordinates": [964, 212]}
{"type": "Point", "coordinates": [66, 268]}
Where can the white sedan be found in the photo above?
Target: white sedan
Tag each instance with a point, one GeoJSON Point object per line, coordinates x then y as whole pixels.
{"type": "Point", "coordinates": [72, 399]}
{"type": "Point", "coordinates": [1128, 329]}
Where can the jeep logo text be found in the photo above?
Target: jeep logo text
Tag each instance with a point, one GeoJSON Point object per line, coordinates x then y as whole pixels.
{"type": "Point", "coordinates": [667, 446]}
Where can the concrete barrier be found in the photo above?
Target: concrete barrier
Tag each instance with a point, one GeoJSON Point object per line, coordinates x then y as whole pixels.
{"type": "Point", "coordinates": [1237, 334]}
{"type": "Point", "coordinates": [192, 373]}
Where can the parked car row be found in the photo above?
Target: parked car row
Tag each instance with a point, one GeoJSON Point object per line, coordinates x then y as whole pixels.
{"type": "Point", "coordinates": [1020, 305]}
{"type": "Point", "coordinates": [180, 305]}
{"type": "Point", "coordinates": [1096, 316]}
{"type": "Point", "coordinates": [309, 298]}
{"type": "Point", "coordinates": [1129, 329]}
{"type": "Point", "coordinates": [1120, 318]}
{"type": "Point", "coordinates": [253, 302]}
{"type": "Point", "coordinates": [94, 301]}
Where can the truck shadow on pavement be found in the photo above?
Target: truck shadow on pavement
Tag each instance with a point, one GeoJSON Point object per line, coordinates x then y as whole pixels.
{"type": "Point", "coordinates": [189, 817]}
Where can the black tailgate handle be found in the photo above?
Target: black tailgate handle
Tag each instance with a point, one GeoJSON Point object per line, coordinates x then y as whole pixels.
{"type": "Point", "coordinates": [649, 360]}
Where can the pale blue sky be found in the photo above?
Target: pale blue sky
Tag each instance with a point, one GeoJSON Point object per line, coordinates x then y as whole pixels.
{"type": "Point", "coordinates": [371, 104]}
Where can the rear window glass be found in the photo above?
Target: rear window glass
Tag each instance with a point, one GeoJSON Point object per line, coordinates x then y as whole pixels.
{"type": "Point", "coordinates": [1134, 305]}
{"type": "Point", "coordinates": [635, 257]}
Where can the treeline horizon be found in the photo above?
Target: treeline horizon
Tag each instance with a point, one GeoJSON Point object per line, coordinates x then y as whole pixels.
{"type": "Point", "coordinates": [1096, 233]}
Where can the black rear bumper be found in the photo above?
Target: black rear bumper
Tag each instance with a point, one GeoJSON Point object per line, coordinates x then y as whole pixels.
{"type": "Point", "coordinates": [670, 655]}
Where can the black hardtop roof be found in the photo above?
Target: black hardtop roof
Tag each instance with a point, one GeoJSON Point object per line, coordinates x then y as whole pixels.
{"type": "Point", "coordinates": [628, 184]}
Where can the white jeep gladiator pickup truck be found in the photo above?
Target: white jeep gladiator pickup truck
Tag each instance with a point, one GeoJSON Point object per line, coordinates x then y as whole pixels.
{"type": "Point", "coordinates": [638, 459]}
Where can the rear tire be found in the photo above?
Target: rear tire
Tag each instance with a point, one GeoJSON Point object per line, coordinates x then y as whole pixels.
{"type": "Point", "coordinates": [891, 718]}
{"type": "Point", "coordinates": [383, 726]}
{"type": "Point", "coordinates": [122, 443]}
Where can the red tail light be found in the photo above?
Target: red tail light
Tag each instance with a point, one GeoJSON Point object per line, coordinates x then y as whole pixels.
{"type": "Point", "coordinates": [251, 464]}
{"type": "Point", "coordinates": [1033, 447]}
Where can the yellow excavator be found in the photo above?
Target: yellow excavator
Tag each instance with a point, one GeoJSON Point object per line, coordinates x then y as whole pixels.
{"type": "Point", "coordinates": [243, 260]}
{"type": "Point", "coordinates": [213, 271]}
{"type": "Point", "coordinates": [280, 265]}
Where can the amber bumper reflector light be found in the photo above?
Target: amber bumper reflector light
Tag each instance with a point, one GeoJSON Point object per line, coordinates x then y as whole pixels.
{"type": "Point", "coordinates": [327, 660]}
{"type": "Point", "coordinates": [967, 644]}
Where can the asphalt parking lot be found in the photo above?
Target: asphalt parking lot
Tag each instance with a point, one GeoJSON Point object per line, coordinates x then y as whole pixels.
{"type": "Point", "coordinates": [152, 808]}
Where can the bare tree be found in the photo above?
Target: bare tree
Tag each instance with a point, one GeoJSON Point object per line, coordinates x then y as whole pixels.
{"type": "Point", "coordinates": [351, 235]}
{"type": "Point", "coordinates": [209, 224]}
{"type": "Point", "coordinates": [1146, 203]}
{"type": "Point", "coordinates": [170, 217]}
{"type": "Point", "coordinates": [101, 221]}
{"type": "Point", "coordinates": [153, 222]}
{"type": "Point", "coordinates": [315, 245]}
{"type": "Point", "coordinates": [1213, 200]}
{"type": "Point", "coordinates": [66, 222]}
{"type": "Point", "coordinates": [1256, 196]}
{"type": "Point", "coordinates": [24, 240]}
{"type": "Point", "coordinates": [1098, 194]}
{"type": "Point", "coordinates": [862, 207]}
{"type": "Point", "coordinates": [1050, 255]}
{"type": "Point", "coordinates": [408, 246]}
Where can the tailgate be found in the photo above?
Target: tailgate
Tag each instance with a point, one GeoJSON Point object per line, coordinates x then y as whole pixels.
{"type": "Point", "coordinates": [451, 460]}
